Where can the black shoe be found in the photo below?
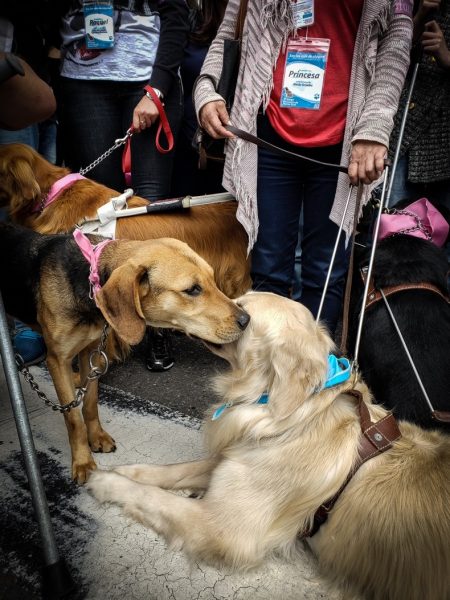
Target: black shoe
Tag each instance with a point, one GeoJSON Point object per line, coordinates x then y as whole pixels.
{"type": "Point", "coordinates": [160, 357]}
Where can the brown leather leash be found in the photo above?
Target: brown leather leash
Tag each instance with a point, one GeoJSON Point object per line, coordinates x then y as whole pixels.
{"type": "Point", "coordinates": [248, 137]}
{"type": "Point", "coordinates": [375, 439]}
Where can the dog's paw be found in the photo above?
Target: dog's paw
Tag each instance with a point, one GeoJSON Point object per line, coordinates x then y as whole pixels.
{"type": "Point", "coordinates": [107, 486]}
{"type": "Point", "coordinates": [82, 469]}
{"type": "Point", "coordinates": [101, 441]}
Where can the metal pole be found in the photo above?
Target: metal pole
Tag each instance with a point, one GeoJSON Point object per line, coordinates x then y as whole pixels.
{"type": "Point", "coordinates": [57, 580]}
{"type": "Point", "coordinates": [369, 271]}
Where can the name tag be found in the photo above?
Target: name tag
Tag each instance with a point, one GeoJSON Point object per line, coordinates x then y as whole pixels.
{"type": "Point", "coordinates": [99, 24]}
{"type": "Point", "coordinates": [302, 13]}
{"type": "Point", "coordinates": [304, 73]}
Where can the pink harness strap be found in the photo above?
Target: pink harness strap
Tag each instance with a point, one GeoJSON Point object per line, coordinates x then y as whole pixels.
{"type": "Point", "coordinates": [92, 255]}
{"type": "Point", "coordinates": [56, 189]}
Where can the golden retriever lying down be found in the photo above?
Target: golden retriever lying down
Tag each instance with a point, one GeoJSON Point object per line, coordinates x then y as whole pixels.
{"type": "Point", "coordinates": [270, 467]}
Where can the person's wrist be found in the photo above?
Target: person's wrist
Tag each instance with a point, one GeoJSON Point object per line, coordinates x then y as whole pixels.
{"type": "Point", "coordinates": [444, 59]}
{"type": "Point", "coordinates": [157, 92]}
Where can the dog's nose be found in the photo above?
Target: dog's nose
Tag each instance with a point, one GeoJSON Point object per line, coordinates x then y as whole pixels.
{"type": "Point", "coordinates": [243, 320]}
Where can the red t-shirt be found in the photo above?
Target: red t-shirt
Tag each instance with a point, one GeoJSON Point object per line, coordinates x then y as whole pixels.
{"type": "Point", "coordinates": [338, 22]}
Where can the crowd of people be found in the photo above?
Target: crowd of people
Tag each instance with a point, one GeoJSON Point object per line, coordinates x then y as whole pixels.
{"type": "Point", "coordinates": [323, 79]}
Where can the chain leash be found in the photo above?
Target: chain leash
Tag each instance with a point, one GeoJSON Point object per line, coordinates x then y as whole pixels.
{"type": "Point", "coordinates": [119, 142]}
{"type": "Point", "coordinates": [95, 373]}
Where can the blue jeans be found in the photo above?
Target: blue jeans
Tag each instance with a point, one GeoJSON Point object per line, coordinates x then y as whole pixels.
{"type": "Point", "coordinates": [285, 187]}
{"type": "Point", "coordinates": [95, 113]}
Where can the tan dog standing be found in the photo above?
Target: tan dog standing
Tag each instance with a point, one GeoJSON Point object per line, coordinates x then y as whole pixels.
{"type": "Point", "coordinates": [162, 283]}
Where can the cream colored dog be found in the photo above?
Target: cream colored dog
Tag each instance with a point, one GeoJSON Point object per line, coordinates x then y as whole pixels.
{"type": "Point", "coordinates": [272, 465]}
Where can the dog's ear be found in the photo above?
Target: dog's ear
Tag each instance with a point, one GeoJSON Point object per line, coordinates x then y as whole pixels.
{"type": "Point", "coordinates": [24, 186]}
{"type": "Point", "coordinates": [299, 364]}
{"type": "Point", "coordinates": [119, 301]}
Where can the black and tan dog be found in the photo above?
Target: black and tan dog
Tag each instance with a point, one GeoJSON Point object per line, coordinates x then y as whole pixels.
{"type": "Point", "coordinates": [45, 283]}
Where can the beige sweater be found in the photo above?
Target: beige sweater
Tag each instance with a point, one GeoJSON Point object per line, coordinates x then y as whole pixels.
{"type": "Point", "coordinates": [380, 64]}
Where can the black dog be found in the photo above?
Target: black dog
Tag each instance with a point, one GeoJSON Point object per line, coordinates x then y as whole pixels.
{"type": "Point", "coordinates": [423, 316]}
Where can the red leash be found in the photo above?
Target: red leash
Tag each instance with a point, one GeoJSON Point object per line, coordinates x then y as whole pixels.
{"type": "Point", "coordinates": [163, 124]}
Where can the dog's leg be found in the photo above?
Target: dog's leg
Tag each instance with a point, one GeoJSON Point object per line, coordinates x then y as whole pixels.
{"type": "Point", "coordinates": [191, 475]}
{"type": "Point", "coordinates": [220, 528]}
{"type": "Point", "coordinates": [61, 371]}
{"type": "Point", "coordinates": [186, 523]}
{"type": "Point", "coordinates": [99, 439]}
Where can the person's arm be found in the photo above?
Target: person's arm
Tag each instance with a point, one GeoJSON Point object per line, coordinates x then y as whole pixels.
{"type": "Point", "coordinates": [371, 134]}
{"type": "Point", "coordinates": [174, 15]}
{"type": "Point", "coordinates": [25, 99]}
{"type": "Point", "coordinates": [209, 105]}
{"type": "Point", "coordinates": [173, 35]}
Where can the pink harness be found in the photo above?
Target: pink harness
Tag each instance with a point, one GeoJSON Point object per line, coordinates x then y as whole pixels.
{"type": "Point", "coordinates": [419, 219]}
{"type": "Point", "coordinates": [92, 255]}
{"type": "Point", "coordinates": [56, 189]}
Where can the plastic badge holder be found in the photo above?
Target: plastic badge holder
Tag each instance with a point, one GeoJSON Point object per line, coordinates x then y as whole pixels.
{"type": "Point", "coordinates": [304, 73]}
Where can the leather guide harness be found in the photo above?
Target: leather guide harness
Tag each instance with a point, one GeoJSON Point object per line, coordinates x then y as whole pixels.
{"type": "Point", "coordinates": [374, 294]}
{"type": "Point", "coordinates": [375, 439]}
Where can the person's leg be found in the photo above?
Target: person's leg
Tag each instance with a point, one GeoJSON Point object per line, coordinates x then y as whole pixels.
{"type": "Point", "coordinates": [402, 189]}
{"type": "Point", "coordinates": [26, 342]}
{"type": "Point", "coordinates": [319, 237]}
{"type": "Point", "coordinates": [47, 139]}
{"type": "Point", "coordinates": [151, 171]}
{"type": "Point", "coordinates": [29, 135]}
{"type": "Point", "coordinates": [279, 205]}
{"type": "Point", "coordinates": [92, 120]}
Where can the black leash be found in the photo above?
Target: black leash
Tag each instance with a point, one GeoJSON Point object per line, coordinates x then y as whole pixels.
{"type": "Point", "coordinates": [245, 135]}
{"type": "Point", "coordinates": [248, 137]}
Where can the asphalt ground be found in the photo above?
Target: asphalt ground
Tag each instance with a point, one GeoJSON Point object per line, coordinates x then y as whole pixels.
{"type": "Point", "coordinates": [185, 388]}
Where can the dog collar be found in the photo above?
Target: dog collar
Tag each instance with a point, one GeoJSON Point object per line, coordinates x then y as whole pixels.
{"type": "Point", "coordinates": [92, 255]}
{"type": "Point", "coordinates": [339, 371]}
{"type": "Point", "coordinates": [263, 399]}
{"type": "Point", "coordinates": [56, 189]}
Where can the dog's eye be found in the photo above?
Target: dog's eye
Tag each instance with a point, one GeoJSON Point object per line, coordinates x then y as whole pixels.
{"type": "Point", "coordinates": [195, 290]}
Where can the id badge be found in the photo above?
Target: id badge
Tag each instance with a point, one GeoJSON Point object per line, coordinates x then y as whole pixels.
{"type": "Point", "coordinates": [304, 73]}
{"type": "Point", "coordinates": [99, 24]}
{"type": "Point", "coordinates": [302, 13]}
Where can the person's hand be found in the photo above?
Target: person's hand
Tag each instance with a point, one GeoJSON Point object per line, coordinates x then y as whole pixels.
{"type": "Point", "coordinates": [433, 43]}
{"type": "Point", "coordinates": [366, 161]}
{"type": "Point", "coordinates": [213, 116]}
{"type": "Point", "coordinates": [427, 6]}
{"type": "Point", "coordinates": [145, 114]}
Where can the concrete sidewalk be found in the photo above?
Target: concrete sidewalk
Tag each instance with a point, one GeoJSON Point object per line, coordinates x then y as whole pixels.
{"type": "Point", "coordinates": [110, 557]}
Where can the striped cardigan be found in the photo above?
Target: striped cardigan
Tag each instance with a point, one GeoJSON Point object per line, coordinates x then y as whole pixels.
{"type": "Point", "coordinates": [380, 64]}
